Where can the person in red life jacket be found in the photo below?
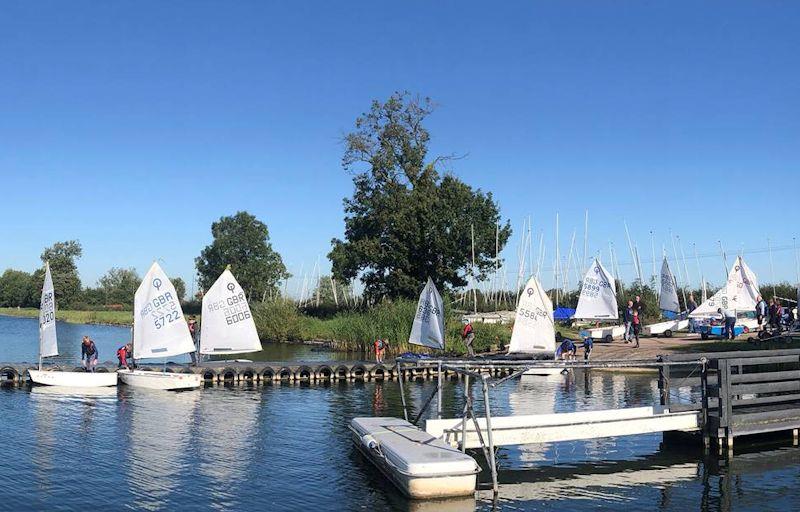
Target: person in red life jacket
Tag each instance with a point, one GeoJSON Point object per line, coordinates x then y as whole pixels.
{"type": "Point", "coordinates": [123, 353]}
{"type": "Point", "coordinates": [468, 335]}
{"type": "Point", "coordinates": [378, 350]}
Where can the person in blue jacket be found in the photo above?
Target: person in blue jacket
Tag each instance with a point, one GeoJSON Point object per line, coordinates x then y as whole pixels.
{"type": "Point", "coordinates": [566, 348]}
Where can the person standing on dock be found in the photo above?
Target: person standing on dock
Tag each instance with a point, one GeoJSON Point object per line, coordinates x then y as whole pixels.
{"type": "Point", "coordinates": [639, 307]}
{"type": "Point", "coordinates": [89, 354]}
{"type": "Point", "coordinates": [775, 313]}
{"type": "Point", "coordinates": [378, 345]}
{"type": "Point", "coordinates": [195, 333]}
{"type": "Point", "coordinates": [761, 312]}
{"type": "Point", "coordinates": [729, 319]}
{"type": "Point", "coordinates": [468, 335]}
{"type": "Point", "coordinates": [637, 327]}
{"type": "Point", "coordinates": [627, 316]}
{"type": "Point", "coordinates": [691, 305]}
{"type": "Point", "coordinates": [588, 345]}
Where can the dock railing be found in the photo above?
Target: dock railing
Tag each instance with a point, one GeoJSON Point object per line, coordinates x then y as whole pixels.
{"type": "Point", "coordinates": [485, 371]}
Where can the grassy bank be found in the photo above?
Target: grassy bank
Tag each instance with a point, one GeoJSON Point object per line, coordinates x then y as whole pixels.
{"type": "Point", "coordinates": [355, 331]}
{"type": "Point", "coordinates": [76, 317]}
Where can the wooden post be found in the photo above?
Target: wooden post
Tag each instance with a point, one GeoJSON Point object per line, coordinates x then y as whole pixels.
{"type": "Point", "coordinates": [467, 411]}
{"type": "Point", "coordinates": [439, 392]}
{"type": "Point", "coordinates": [663, 384]}
{"type": "Point", "coordinates": [704, 402]}
{"type": "Point", "coordinates": [402, 392]}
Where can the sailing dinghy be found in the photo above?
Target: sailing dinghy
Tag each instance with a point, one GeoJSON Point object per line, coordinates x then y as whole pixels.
{"type": "Point", "coordinates": [159, 330]}
{"type": "Point", "coordinates": [598, 302]}
{"type": "Point", "coordinates": [428, 327]}
{"type": "Point", "coordinates": [228, 326]}
{"type": "Point", "coordinates": [667, 301]}
{"type": "Point", "coordinates": [48, 347]}
{"type": "Point", "coordinates": [534, 335]}
{"type": "Point", "coordinates": [739, 294]}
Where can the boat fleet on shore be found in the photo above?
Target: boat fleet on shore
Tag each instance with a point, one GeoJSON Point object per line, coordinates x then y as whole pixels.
{"type": "Point", "coordinates": [159, 331]}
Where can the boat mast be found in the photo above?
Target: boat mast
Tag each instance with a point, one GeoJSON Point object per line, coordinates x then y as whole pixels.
{"type": "Point", "coordinates": [771, 267]}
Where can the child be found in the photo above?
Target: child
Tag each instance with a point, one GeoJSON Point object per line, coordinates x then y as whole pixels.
{"type": "Point", "coordinates": [637, 327]}
{"type": "Point", "coordinates": [588, 345]}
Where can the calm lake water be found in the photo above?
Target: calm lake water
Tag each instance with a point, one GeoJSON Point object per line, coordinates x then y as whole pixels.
{"type": "Point", "coordinates": [287, 447]}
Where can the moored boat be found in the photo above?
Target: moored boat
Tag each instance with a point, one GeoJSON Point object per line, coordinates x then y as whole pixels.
{"type": "Point", "coordinates": [159, 330]}
{"type": "Point", "coordinates": [73, 379]}
{"type": "Point", "coordinates": [48, 347]}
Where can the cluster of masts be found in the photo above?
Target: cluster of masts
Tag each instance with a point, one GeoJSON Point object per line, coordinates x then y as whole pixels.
{"type": "Point", "coordinates": [566, 268]}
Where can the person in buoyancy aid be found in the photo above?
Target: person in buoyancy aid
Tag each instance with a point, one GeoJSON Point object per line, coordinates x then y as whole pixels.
{"type": "Point", "coordinates": [89, 354]}
{"type": "Point", "coordinates": [468, 336]}
{"type": "Point", "coordinates": [566, 348]}
{"type": "Point", "coordinates": [123, 354]}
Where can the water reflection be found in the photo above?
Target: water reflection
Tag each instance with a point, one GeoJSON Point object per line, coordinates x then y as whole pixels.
{"type": "Point", "coordinates": [287, 447]}
{"type": "Point", "coordinates": [227, 427]}
{"type": "Point", "coordinates": [159, 438]}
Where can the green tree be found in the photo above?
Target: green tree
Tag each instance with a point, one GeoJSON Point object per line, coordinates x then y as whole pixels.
{"type": "Point", "coordinates": [119, 285]}
{"type": "Point", "coordinates": [241, 241]}
{"type": "Point", "coordinates": [93, 297]}
{"type": "Point", "coordinates": [62, 257]}
{"type": "Point", "coordinates": [16, 288]}
{"type": "Point", "coordinates": [180, 288]}
{"type": "Point", "coordinates": [405, 221]}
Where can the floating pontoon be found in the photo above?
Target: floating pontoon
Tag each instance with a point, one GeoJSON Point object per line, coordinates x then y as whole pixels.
{"type": "Point", "coordinates": [419, 464]}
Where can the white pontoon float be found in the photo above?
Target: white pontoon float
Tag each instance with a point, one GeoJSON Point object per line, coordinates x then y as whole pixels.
{"type": "Point", "coordinates": [419, 464]}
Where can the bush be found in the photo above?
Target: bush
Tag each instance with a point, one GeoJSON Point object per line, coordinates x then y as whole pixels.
{"type": "Point", "coordinates": [277, 321]}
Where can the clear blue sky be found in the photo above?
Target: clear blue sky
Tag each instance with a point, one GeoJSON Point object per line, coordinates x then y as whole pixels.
{"type": "Point", "coordinates": [131, 126]}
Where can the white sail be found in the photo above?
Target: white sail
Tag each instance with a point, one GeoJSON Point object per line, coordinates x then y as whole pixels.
{"type": "Point", "coordinates": [48, 346]}
{"type": "Point", "coordinates": [668, 300]}
{"type": "Point", "coordinates": [228, 326]}
{"type": "Point", "coordinates": [534, 331]}
{"type": "Point", "coordinates": [428, 327]}
{"type": "Point", "coordinates": [159, 328]}
{"type": "Point", "coordinates": [739, 293]}
{"type": "Point", "coordinates": [598, 298]}
{"type": "Point", "coordinates": [710, 306]}
{"type": "Point", "coordinates": [742, 287]}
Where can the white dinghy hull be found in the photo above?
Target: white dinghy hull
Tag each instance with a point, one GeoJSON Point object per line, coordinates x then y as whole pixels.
{"type": "Point", "coordinates": [607, 334]}
{"type": "Point", "coordinates": [160, 380]}
{"type": "Point", "coordinates": [667, 328]}
{"type": "Point", "coordinates": [420, 465]}
{"type": "Point", "coordinates": [73, 379]}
